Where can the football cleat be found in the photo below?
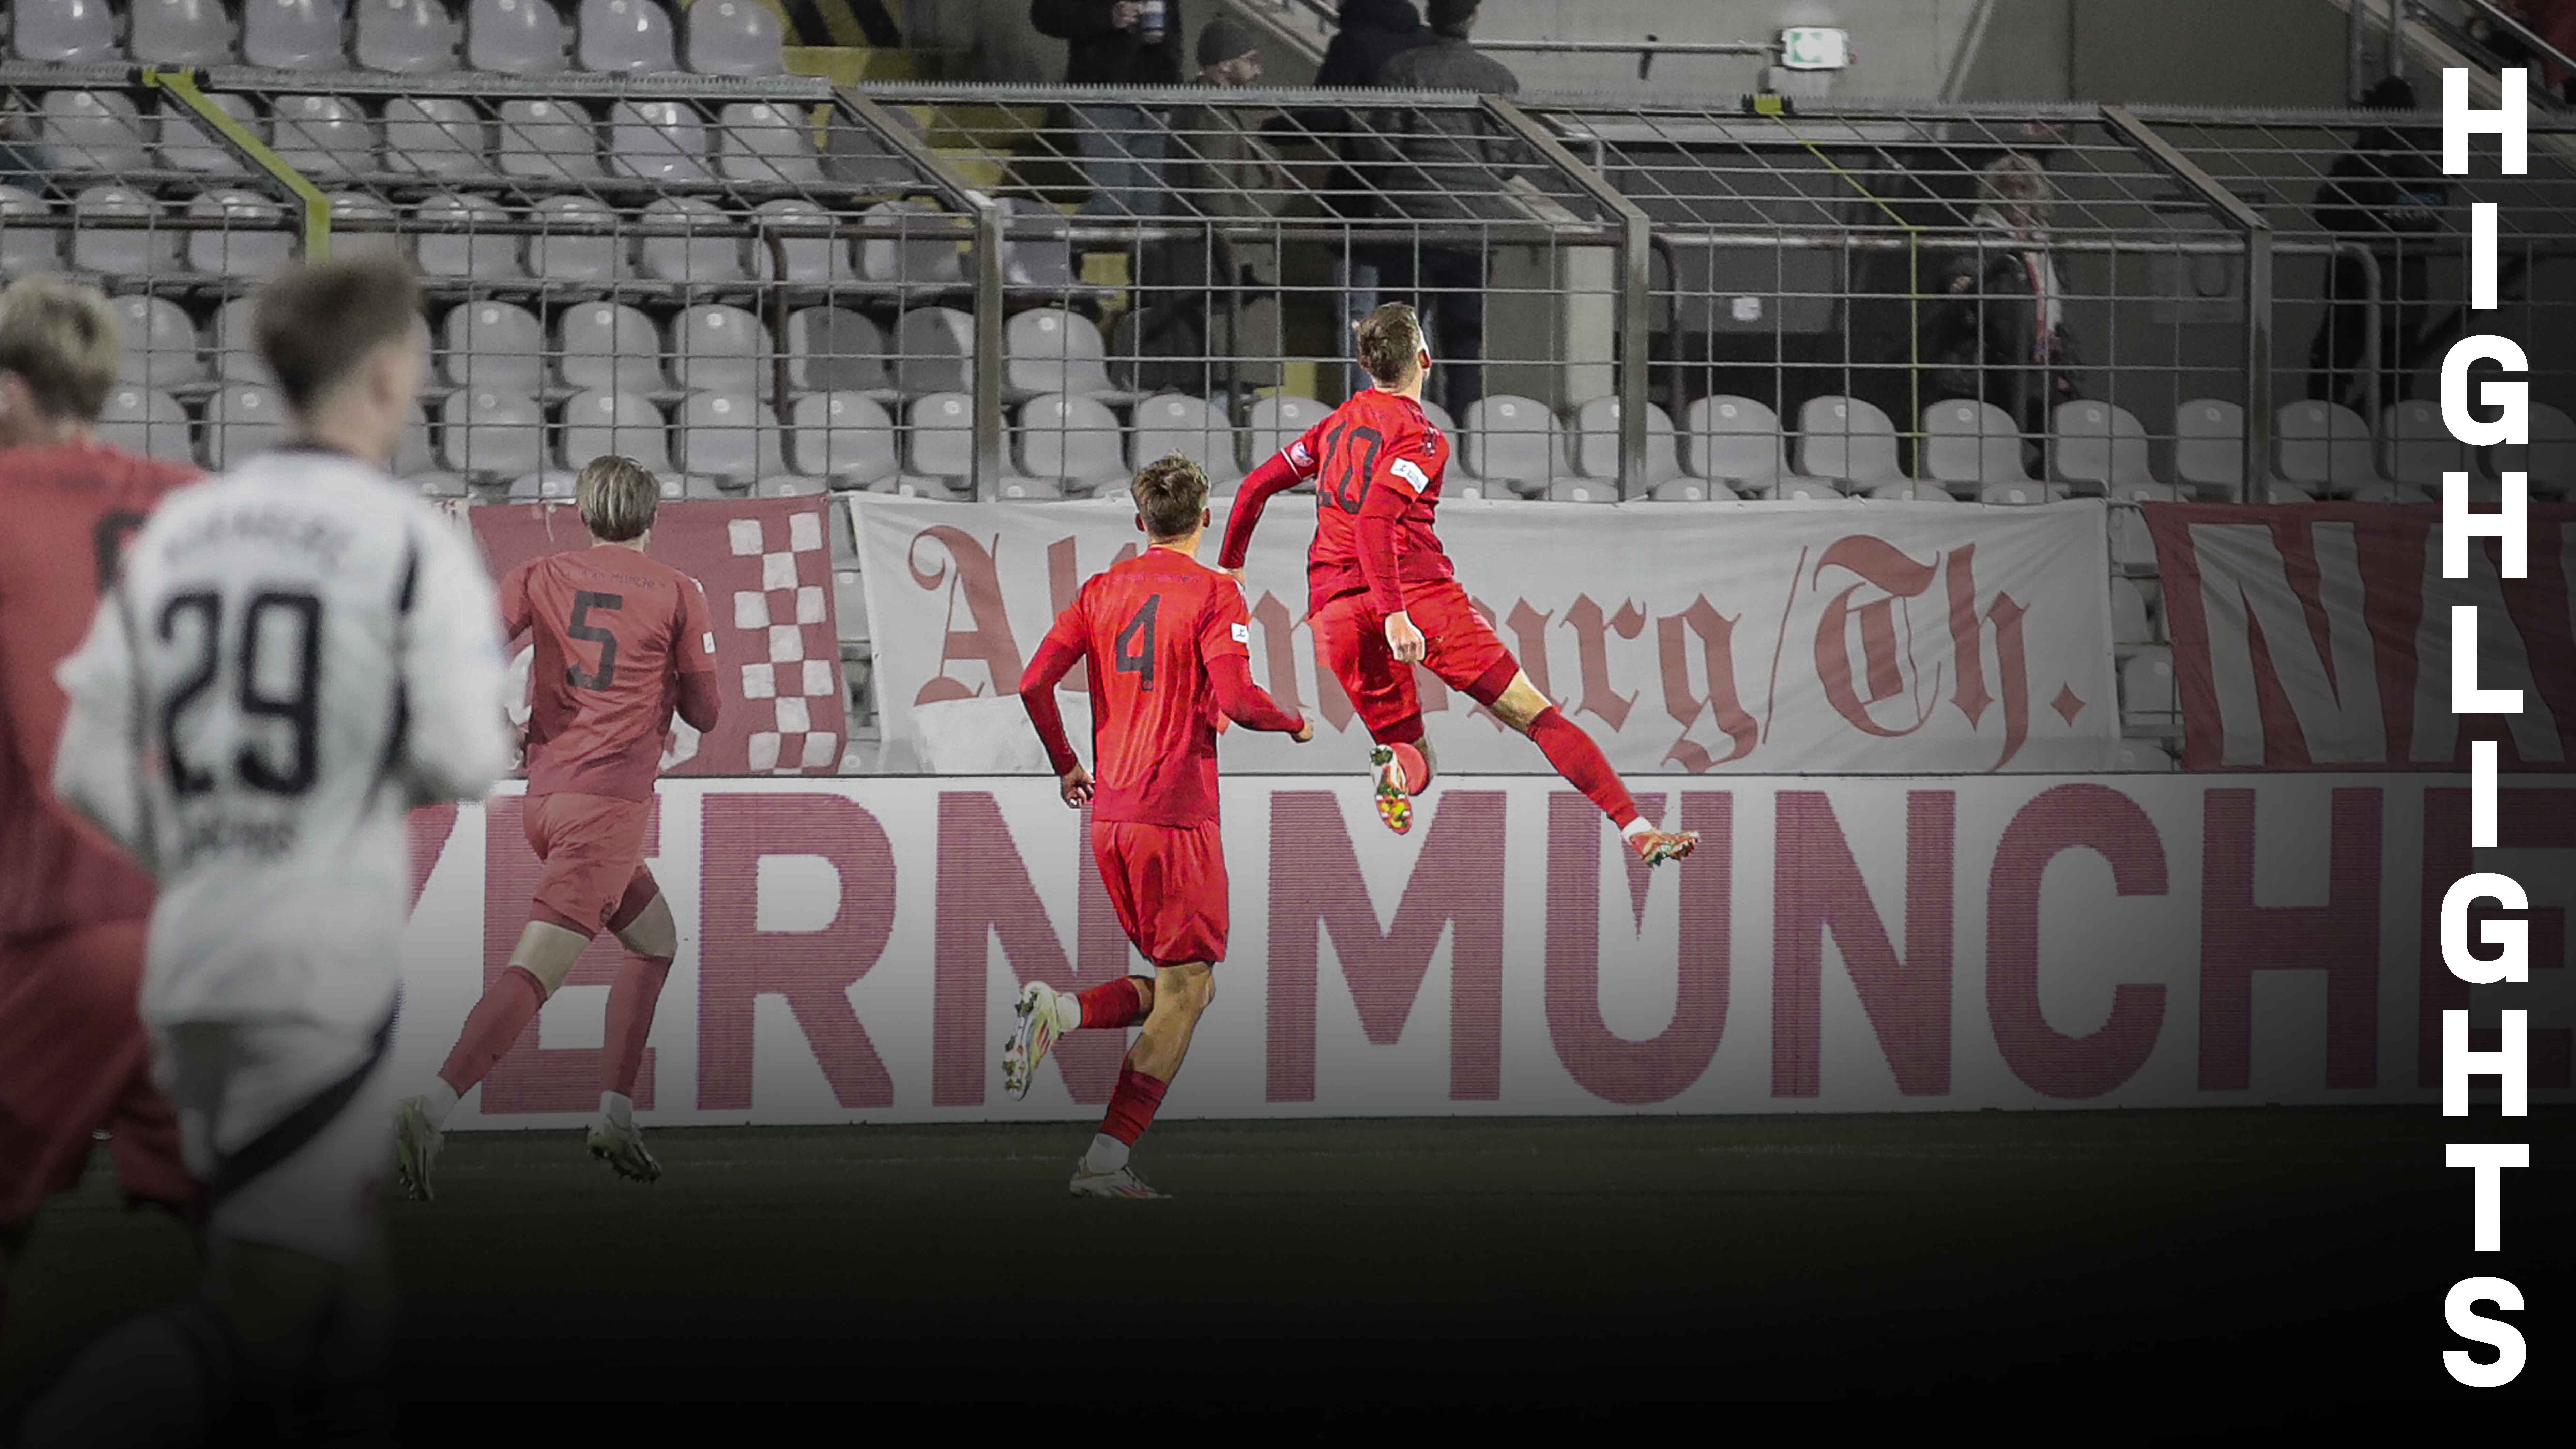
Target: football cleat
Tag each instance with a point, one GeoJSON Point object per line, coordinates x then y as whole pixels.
{"type": "Point", "coordinates": [622, 1148]}
{"type": "Point", "coordinates": [1122, 1183]}
{"type": "Point", "coordinates": [1657, 846]}
{"type": "Point", "coordinates": [1044, 1014]}
{"type": "Point", "coordinates": [1400, 773]}
{"type": "Point", "coordinates": [416, 1145]}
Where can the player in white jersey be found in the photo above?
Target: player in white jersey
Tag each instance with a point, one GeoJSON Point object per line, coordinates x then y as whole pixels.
{"type": "Point", "coordinates": [296, 654]}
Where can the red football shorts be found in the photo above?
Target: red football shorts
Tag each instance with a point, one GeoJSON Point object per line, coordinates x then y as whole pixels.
{"type": "Point", "coordinates": [73, 1060]}
{"type": "Point", "coordinates": [1461, 651]}
{"type": "Point", "coordinates": [593, 849]}
{"type": "Point", "coordinates": [1168, 885]}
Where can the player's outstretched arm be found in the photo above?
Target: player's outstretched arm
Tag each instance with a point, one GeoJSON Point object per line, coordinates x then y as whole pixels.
{"type": "Point", "coordinates": [456, 741]}
{"type": "Point", "coordinates": [97, 769]}
{"type": "Point", "coordinates": [1056, 656]}
{"type": "Point", "coordinates": [1284, 471]}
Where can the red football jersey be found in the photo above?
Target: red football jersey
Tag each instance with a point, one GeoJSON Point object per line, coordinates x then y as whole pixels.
{"type": "Point", "coordinates": [70, 508]}
{"type": "Point", "coordinates": [1375, 440]}
{"type": "Point", "coordinates": [1148, 628]}
{"type": "Point", "coordinates": [614, 631]}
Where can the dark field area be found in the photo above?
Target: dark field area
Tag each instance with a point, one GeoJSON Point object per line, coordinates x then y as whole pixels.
{"type": "Point", "coordinates": [2281, 1262]}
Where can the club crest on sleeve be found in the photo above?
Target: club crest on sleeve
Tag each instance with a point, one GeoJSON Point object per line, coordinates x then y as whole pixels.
{"type": "Point", "coordinates": [1242, 633]}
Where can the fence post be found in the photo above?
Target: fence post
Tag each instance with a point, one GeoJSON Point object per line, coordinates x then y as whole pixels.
{"type": "Point", "coordinates": [316, 208]}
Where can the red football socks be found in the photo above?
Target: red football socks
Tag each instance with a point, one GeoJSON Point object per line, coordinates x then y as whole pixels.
{"type": "Point", "coordinates": [496, 1021]}
{"type": "Point", "coordinates": [1132, 1105]}
{"type": "Point", "coordinates": [631, 999]}
{"type": "Point", "coordinates": [1581, 762]}
{"type": "Point", "coordinates": [1113, 1004]}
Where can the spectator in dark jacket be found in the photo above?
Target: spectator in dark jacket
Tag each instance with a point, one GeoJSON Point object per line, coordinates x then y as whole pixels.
{"type": "Point", "coordinates": [1998, 332]}
{"type": "Point", "coordinates": [2387, 192]}
{"type": "Point", "coordinates": [1371, 33]}
{"type": "Point", "coordinates": [1106, 44]}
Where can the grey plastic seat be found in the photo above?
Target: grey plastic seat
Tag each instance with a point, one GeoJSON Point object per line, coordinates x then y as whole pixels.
{"type": "Point", "coordinates": [1282, 418]}
{"type": "Point", "coordinates": [1173, 423]}
{"type": "Point", "coordinates": [555, 483]}
{"type": "Point", "coordinates": [657, 141]}
{"type": "Point", "coordinates": [1050, 351]}
{"type": "Point", "coordinates": [1972, 446]}
{"type": "Point", "coordinates": [465, 251]}
{"type": "Point", "coordinates": [1075, 441]}
{"type": "Point", "coordinates": [294, 34]}
{"type": "Point", "coordinates": [934, 351]}
{"type": "Point", "coordinates": [2420, 450]}
{"type": "Point", "coordinates": [546, 140]}
{"type": "Point", "coordinates": [2131, 543]}
{"type": "Point", "coordinates": [2327, 448]}
{"type": "Point", "coordinates": [236, 343]}
{"type": "Point", "coordinates": [926, 259]}
{"type": "Point", "coordinates": [624, 37]}
{"type": "Point", "coordinates": [242, 419]}
{"type": "Point", "coordinates": [161, 350]}
{"type": "Point", "coordinates": [65, 32]}
{"type": "Point", "coordinates": [434, 484]}
{"type": "Point", "coordinates": [412, 452]}
{"type": "Point", "coordinates": [1850, 442]}
{"type": "Point", "coordinates": [2099, 447]}
{"type": "Point", "coordinates": [843, 438]}
{"type": "Point", "coordinates": [515, 37]}
{"type": "Point", "coordinates": [579, 243]}
{"type": "Point", "coordinates": [729, 437]}
{"type": "Point", "coordinates": [939, 442]}
{"type": "Point", "coordinates": [833, 349]}
{"type": "Point", "coordinates": [322, 136]}
{"type": "Point", "coordinates": [2020, 494]}
{"type": "Point", "coordinates": [142, 420]}
{"type": "Point", "coordinates": [2209, 452]}
{"type": "Point", "coordinates": [492, 346]}
{"type": "Point", "coordinates": [597, 423]}
{"type": "Point", "coordinates": [179, 32]}
{"type": "Point", "coordinates": [1687, 489]}
{"type": "Point", "coordinates": [2141, 757]}
{"type": "Point", "coordinates": [93, 131]}
{"type": "Point", "coordinates": [1036, 253]}
{"type": "Point", "coordinates": [187, 143]}
{"type": "Point", "coordinates": [362, 225]}
{"type": "Point", "coordinates": [1596, 444]}
{"type": "Point", "coordinates": [435, 137]}
{"type": "Point", "coordinates": [609, 346]}
{"type": "Point", "coordinates": [1512, 441]}
{"type": "Point", "coordinates": [119, 249]}
{"type": "Point", "coordinates": [2129, 613]}
{"type": "Point", "coordinates": [722, 349]}
{"type": "Point", "coordinates": [2548, 461]}
{"type": "Point", "coordinates": [253, 243]}
{"type": "Point", "coordinates": [407, 37]}
{"type": "Point", "coordinates": [1571, 489]}
{"type": "Point", "coordinates": [491, 434]}
{"type": "Point", "coordinates": [707, 253]}
{"type": "Point", "coordinates": [29, 245]}
{"type": "Point", "coordinates": [1735, 442]}
{"type": "Point", "coordinates": [2147, 696]}
{"type": "Point", "coordinates": [807, 240]}
{"type": "Point", "coordinates": [765, 141]}
{"type": "Point", "coordinates": [732, 37]}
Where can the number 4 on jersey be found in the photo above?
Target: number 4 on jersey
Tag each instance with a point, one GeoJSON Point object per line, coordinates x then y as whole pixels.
{"type": "Point", "coordinates": [1136, 643]}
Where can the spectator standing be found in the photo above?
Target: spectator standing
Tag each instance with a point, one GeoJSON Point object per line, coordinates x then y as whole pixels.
{"type": "Point", "coordinates": [1115, 43]}
{"type": "Point", "coordinates": [1998, 331]}
{"type": "Point", "coordinates": [1370, 33]}
{"type": "Point", "coordinates": [1190, 286]}
{"type": "Point", "coordinates": [2387, 192]}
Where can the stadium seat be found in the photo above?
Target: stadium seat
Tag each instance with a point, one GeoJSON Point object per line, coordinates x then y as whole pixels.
{"type": "Point", "coordinates": [1735, 441]}
{"type": "Point", "coordinates": [2147, 697]}
{"type": "Point", "coordinates": [2129, 613]}
{"type": "Point", "coordinates": [1972, 448]}
{"type": "Point", "coordinates": [29, 246]}
{"type": "Point", "coordinates": [459, 251]}
{"type": "Point", "coordinates": [856, 156]}
{"type": "Point", "coordinates": [1050, 351]}
{"type": "Point", "coordinates": [436, 485]}
{"type": "Point", "coordinates": [843, 438]}
{"type": "Point", "coordinates": [1037, 255]}
{"type": "Point", "coordinates": [293, 34]}
{"type": "Point", "coordinates": [1596, 445]}
{"type": "Point", "coordinates": [362, 225]}
{"type": "Point", "coordinates": [934, 351]}
{"type": "Point", "coordinates": [546, 140]}
{"type": "Point", "coordinates": [2098, 448]}
{"type": "Point", "coordinates": [766, 141]}
{"type": "Point", "coordinates": [2420, 449]}
{"type": "Point", "coordinates": [93, 131]}
{"type": "Point", "coordinates": [805, 237]}
{"type": "Point", "coordinates": [940, 446]}
{"type": "Point", "coordinates": [926, 260]}
{"type": "Point", "coordinates": [833, 349]}
{"type": "Point", "coordinates": [1074, 442]}
{"type": "Point", "coordinates": [732, 37]}
{"type": "Point", "coordinates": [2022, 494]}
{"type": "Point", "coordinates": [242, 419]}
{"type": "Point", "coordinates": [514, 37]}
{"type": "Point", "coordinates": [1173, 423]}
{"type": "Point", "coordinates": [2131, 543]}
{"type": "Point", "coordinates": [1850, 442]}
{"type": "Point", "coordinates": [186, 143]}
{"type": "Point", "coordinates": [140, 420]}
{"type": "Point", "coordinates": [2138, 757]}
{"type": "Point", "coordinates": [65, 32]}
{"type": "Point", "coordinates": [407, 37]}
{"type": "Point", "coordinates": [412, 453]}
{"type": "Point", "coordinates": [491, 435]}
{"type": "Point", "coordinates": [1459, 481]}
{"type": "Point", "coordinates": [2326, 448]}
{"type": "Point", "coordinates": [657, 140]}
{"type": "Point", "coordinates": [493, 347]}
{"type": "Point", "coordinates": [579, 244]}
{"type": "Point", "coordinates": [598, 423]}
{"type": "Point", "coordinates": [722, 349]}
{"type": "Point", "coordinates": [555, 484]}
{"type": "Point", "coordinates": [703, 247]}
{"type": "Point", "coordinates": [850, 606]}
{"type": "Point", "coordinates": [729, 437]}
{"type": "Point", "coordinates": [2209, 453]}
{"type": "Point", "coordinates": [625, 37]}
{"type": "Point", "coordinates": [1566, 489]}
{"type": "Point", "coordinates": [2549, 459]}
{"type": "Point", "coordinates": [117, 248]}
{"type": "Point", "coordinates": [161, 352]}
{"type": "Point", "coordinates": [609, 347]}
{"type": "Point", "coordinates": [1512, 441]}
{"type": "Point", "coordinates": [236, 346]}
{"type": "Point", "coordinates": [253, 242]}
{"type": "Point", "coordinates": [179, 32]}
{"type": "Point", "coordinates": [321, 136]}
{"type": "Point", "coordinates": [1283, 418]}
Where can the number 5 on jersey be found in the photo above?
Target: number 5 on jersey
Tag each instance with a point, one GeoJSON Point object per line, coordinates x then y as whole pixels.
{"type": "Point", "coordinates": [582, 628]}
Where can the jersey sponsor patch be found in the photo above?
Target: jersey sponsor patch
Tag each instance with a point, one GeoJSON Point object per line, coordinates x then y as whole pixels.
{"type": "Point", "coordinates": [1406, 469]}
{"type": "Point", "coordinates": [1242, 633]}
{"type": "Point", "coordinates": [709, 640]}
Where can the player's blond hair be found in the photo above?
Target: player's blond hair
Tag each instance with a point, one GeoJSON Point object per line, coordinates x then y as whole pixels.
{"type": "Point", "coordinates": [1390, 342]}
{"type": "Point", "coordinates": [617, 498]}
{"type": "Point", "coordinates": [62, 340]}
{"type": "Point", "coordinates": [317, 323]}
{"type": "Point", "coordinates": [1171, 496]}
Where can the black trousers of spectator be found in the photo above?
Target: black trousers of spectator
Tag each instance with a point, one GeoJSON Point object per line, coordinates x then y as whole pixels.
{"type": "Point", "coordinates": [1447, 286]}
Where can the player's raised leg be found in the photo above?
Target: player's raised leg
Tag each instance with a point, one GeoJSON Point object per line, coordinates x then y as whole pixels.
{"type": "Point", "coordinates": [1044, 1014]}
{"type": "Point", "coordinates": [643, 925]}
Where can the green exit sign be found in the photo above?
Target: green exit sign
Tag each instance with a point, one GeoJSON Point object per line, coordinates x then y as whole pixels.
{"type": "Point", "coordinates": [1813, 47]}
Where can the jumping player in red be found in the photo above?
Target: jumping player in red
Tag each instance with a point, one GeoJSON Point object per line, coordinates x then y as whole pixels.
{"type": "Point", "coordinates": [73, 909]}
{"type": "Point", "coordinates": [1382, 596]}
{"type": "Point", "coordinates": [621, 642]}
{"type": "Point", "coordinates": [1169, 649]}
